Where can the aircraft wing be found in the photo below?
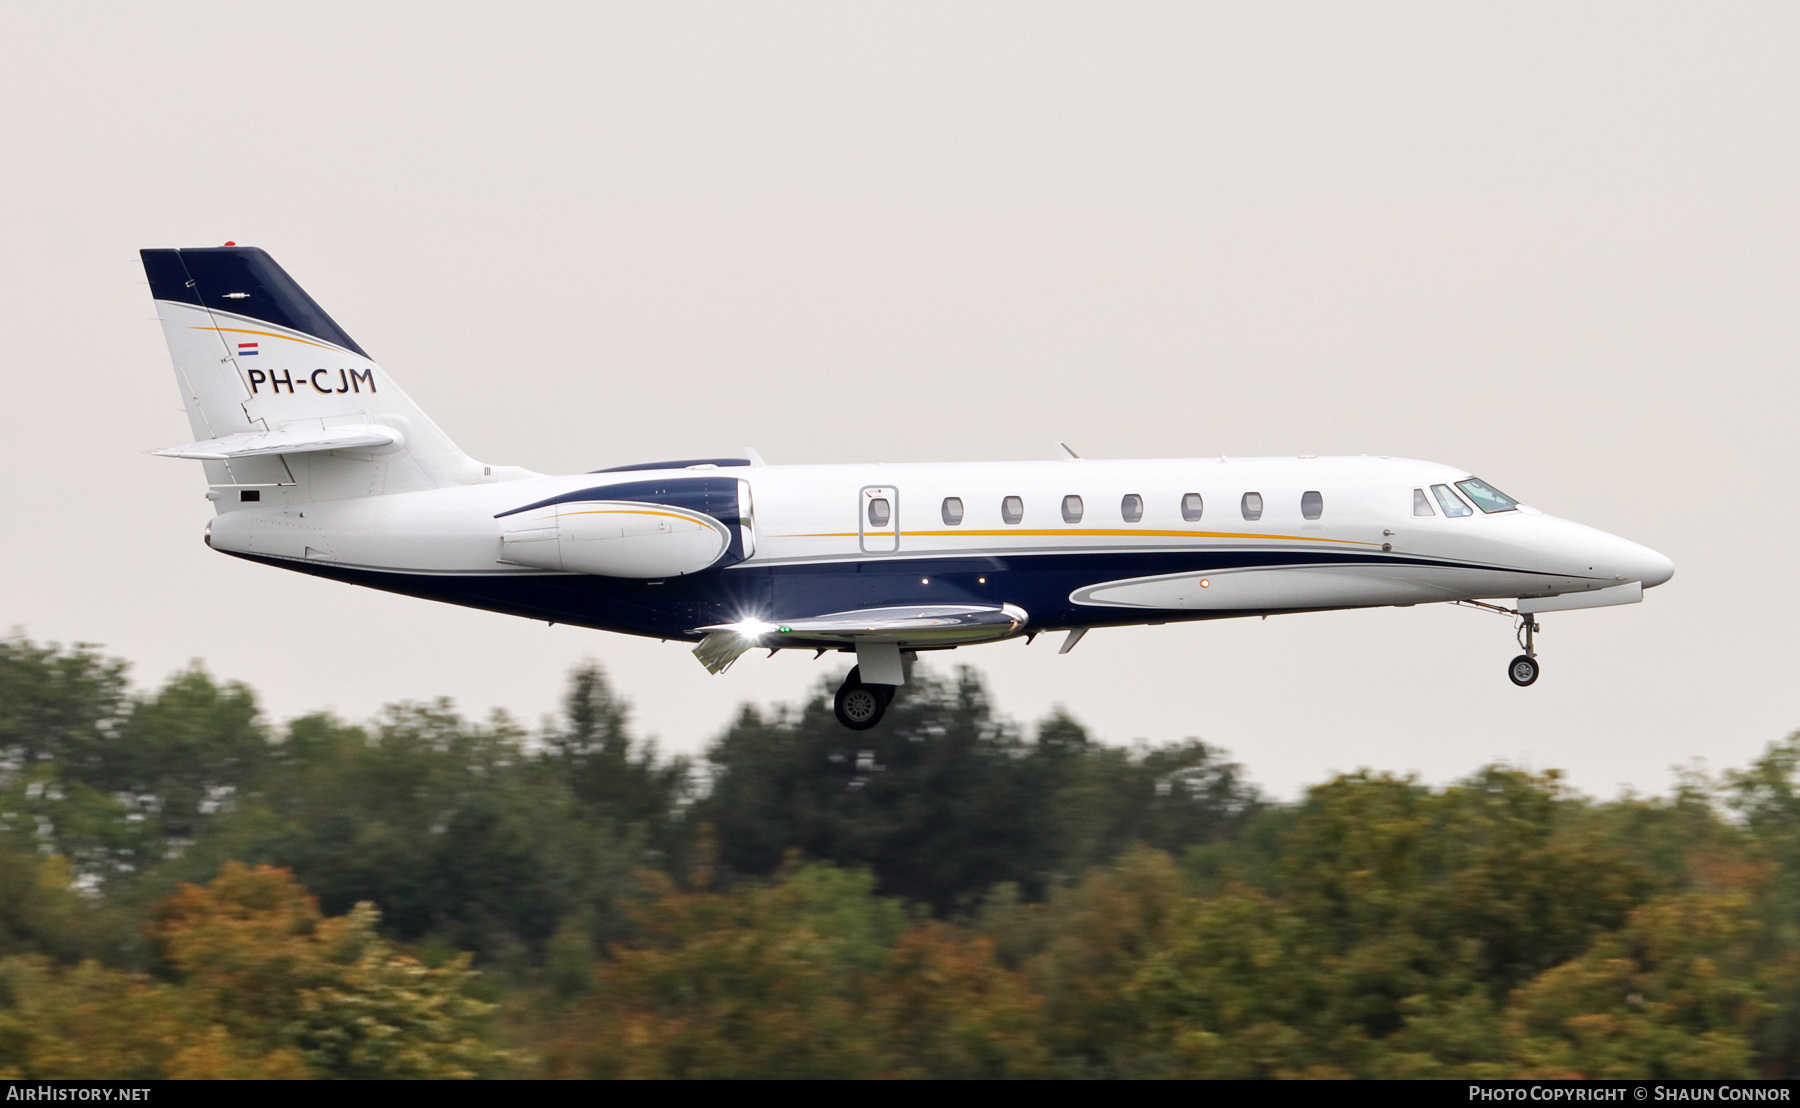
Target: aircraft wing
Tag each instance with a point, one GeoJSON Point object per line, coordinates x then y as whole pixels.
{"type": "Point", "coordinates": [301, 441]}
{"type": "Point", "coordinates": [909, 627]}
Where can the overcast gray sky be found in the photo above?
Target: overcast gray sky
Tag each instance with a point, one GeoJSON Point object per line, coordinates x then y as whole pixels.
{"type": "Point", "coordinates": [1555, 244]}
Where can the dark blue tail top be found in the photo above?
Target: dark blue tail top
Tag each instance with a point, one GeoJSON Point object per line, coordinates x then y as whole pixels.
{"type": "Point", "coordinates": [244, 280]}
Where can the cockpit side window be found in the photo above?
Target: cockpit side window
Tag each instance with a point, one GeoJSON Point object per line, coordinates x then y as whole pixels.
{"type": "Point", "coordinates": [1448, 501]}
{"type": "Point", "coordinates": [1422, 503]}
{"type": "Point", "coordinates": [1486, 497]}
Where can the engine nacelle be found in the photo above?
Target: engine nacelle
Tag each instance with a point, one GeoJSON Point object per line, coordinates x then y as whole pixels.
{"type": "Point", "coordinates": [616, 538]}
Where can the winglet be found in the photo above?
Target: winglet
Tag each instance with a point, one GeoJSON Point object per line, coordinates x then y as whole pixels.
{"type": "Point", "coordinates": [1068, 455]}
{"type": "Point", "coordinates": [755, 458]}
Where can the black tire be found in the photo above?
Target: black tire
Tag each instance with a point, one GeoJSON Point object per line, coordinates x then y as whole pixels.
{"type": "Point", "coordinates": [858, 706]}
{"type": "Point", "coordinates": [1522, 670]}
{"type": "Point", "coordinates": [854, 677]}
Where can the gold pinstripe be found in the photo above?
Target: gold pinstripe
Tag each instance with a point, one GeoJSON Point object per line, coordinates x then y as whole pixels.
{"type": "Point", "coordinates": [1092, 532]}
{"type": "Point", "coordinates": [626, 512]}
{"type": "Point", "coordinates": [270, 334]}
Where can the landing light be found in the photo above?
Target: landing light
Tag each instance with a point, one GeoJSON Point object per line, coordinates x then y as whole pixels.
{"type": "Point", "coordinates": [751, 629]}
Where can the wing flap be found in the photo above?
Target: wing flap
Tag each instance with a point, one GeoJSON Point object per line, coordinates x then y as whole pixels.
{"type": "Point", "coordinates": [912, 626]}
{"type": "Point", "coordinates": [907, 622]}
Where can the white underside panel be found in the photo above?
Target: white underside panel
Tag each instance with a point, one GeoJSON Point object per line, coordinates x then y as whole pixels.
{"type": "Point", "coordinates": [1287, 587]}
{"type": "Point", "coordinates": [1632, 593]}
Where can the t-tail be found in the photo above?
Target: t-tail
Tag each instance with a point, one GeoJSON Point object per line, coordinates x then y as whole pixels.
{"type": "Point", "coordinates": [282, 402]}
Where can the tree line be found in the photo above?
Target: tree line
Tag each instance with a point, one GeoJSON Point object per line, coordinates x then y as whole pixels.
{"type": "Point", "coordinates": [189, 890]}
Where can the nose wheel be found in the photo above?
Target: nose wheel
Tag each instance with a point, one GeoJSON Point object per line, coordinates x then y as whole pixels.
{"type": "Point", "coordinates": [1524, 669]}
{"type": "Point", "coordinates": [859, 706]}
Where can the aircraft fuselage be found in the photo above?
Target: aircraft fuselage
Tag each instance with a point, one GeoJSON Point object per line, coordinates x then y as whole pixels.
{"type": "Point", "coordinates": [812, 548]}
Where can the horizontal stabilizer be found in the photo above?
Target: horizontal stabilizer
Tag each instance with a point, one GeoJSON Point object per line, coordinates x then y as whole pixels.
{"type": "Point", "coordinates": [257, 443]}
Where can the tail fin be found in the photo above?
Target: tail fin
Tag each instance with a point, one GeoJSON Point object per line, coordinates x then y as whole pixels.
{"type": "Point", "coordinates": [278, 395]}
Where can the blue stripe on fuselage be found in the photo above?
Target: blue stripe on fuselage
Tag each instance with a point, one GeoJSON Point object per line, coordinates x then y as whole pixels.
{"type": "Point", "coordinates": [671, 609]}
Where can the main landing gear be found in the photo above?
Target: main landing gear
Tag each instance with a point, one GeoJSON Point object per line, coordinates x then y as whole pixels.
{"type": "Point", "coordinates": [1523, 670]}
{"type": "Point", "coordinates": [859, 706]}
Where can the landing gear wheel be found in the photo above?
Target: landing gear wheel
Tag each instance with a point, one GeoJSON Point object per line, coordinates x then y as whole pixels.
{"type": "Point", "coordinates": [1523, 670]}
{"type": "Point", "coordinates": [859, 707]}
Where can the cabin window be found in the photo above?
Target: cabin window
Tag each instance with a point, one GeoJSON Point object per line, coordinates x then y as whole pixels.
{"type": "Point", "coordinates": [1012, 510]}
{"type": "Point", "coordinates": [1312, 505]}
{"type": "Point", "coordinates": [1486, 497]}
{"type": "Point", "coordinates": [1422, 503]}
{"type": "Point", "coordinates": [880, 511]}
{"type": "Point", "coordinates": [1071, 509]}
{"type": "Point", "coordinates": [248, 496]}
{"type": "Point", "coordinates": [1192, 507]}
{"type": "Point", "coordinates": [1448, 501]}
{"type": "Point", "coordinates": [1252, 505]}
{"type": "Point", "coordinates": [952, 510]}
{"type": "Point", "coordinates": [1131, 509]}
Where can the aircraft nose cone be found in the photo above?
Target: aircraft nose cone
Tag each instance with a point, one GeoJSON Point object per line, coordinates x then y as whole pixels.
{"type": "Point", "coordinates": [1631, 562]}
{"type": "Point", "coordinates": [1653, 568]}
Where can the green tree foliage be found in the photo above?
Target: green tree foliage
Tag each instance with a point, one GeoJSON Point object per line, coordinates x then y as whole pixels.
{"type": "Point", "coordinates": [60, 705]}
{"type": "Point", "coordinates": [189, 891]}
{"type": "Point", "coordinates": [612, 775]}
{"type": "Point", "coordinates": [943, 800]}
{"type": "Point", "coordinates": [112, 781]}
{"type": "Point", "coordinates": [476, 836]}
{"type": "Point", "coordinates": [42, 913]}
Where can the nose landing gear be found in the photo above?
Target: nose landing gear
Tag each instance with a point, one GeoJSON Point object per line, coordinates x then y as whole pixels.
{"type": "Point", "coordinates": [1523, 670]}
{"type": "Point", "coordinates": [859, 706]}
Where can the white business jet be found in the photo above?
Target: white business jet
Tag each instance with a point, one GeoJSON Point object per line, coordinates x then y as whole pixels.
{"type": "Point", "coordinates": [316, 461]}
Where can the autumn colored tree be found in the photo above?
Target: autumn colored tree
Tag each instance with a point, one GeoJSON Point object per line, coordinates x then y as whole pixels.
{"type": "Point", "coordinates": [812, 976]}
{"type": "Point", "coordinates": [257, 962]}
{"type": "Point", "coordinates": [263, 986]}
{"type": "Point", "coordinates": [1674, 994]}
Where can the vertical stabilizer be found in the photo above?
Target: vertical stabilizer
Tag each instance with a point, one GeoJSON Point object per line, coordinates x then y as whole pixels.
{"type": "Point", "coordinates": [259, 362]}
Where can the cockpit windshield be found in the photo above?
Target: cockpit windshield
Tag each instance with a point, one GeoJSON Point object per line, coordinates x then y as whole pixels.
{"type": "Point", "coordinates": [1486, 497]}
{"type": "Point", "coordinates": [1450, 502]}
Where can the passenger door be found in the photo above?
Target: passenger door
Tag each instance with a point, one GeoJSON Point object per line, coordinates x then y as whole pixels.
{"type": "Point", "coordinates": [879, 519]}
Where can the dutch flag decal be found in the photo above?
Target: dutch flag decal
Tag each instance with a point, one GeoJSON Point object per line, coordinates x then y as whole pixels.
{"type": "Point", "coordinates": [246, 348]}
